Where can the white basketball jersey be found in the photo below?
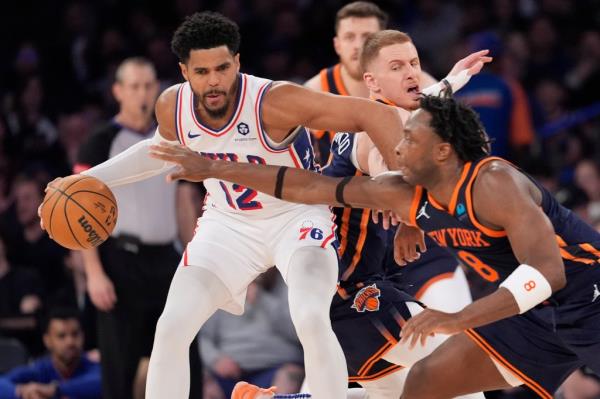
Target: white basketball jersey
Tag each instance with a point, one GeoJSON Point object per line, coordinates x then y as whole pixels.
{"type": "Point", "coordinates": [242, 139]}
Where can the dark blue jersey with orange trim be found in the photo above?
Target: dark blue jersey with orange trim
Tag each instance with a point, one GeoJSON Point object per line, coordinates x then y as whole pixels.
{"type": "Point", "coordinates": [488, 251]}
{"type": "Point", "coordinates": [362, 242]}
{"type": "Point", "coordinates": [331, 82]}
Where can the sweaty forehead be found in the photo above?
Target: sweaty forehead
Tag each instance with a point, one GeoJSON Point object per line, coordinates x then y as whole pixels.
{"type": "Point", "coordinates": [399, 52]}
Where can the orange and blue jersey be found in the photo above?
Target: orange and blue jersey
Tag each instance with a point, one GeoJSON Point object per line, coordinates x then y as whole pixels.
{"type": "Point", "coordinates": [487, 251]}
{"type": "Point", "coordinates": [362, 242]}
{"type": "Point", "coordinates": [331, 82]}
{"type": "Point", "coordinates": [544, 345]}
{"type": "Point", "coordinates": [367, 313]}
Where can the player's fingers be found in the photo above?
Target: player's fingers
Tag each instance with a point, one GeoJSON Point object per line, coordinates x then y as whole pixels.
{"type": "Point", "coordinates": [414, 339]}
{"type": "Point", "coordinates": [399, 260]}
{"type": "Point", "coordinates": [386, 220]}
{"type": "Point", "coordinates": [421, 244]}
{"type": "Point", "coordinates": [178, 174]}
{"type": "Point", "coordinates": [375, 216]}
{"type": "Point", "coordinates": [410, 252]}
{"type": "Point", "coordinates": [474, 56]}
{"type": "Point", "coordinates": [399, 254]}
{"type": "Point", "coordinates": [98, 301]}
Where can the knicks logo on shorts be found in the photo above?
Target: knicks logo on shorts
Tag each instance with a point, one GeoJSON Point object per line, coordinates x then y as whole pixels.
{"type": "Point", "coordinates": [367, 299]}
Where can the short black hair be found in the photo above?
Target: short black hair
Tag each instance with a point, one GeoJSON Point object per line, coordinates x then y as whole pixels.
{"type": "Point", "coordinates": [361, 9]}
{"type": "Point", "coordinates": [459, 125]}
{"type": "Point", "coordinates": [60, 313]}
{"type": "Point", "coordinates": [205, 30]}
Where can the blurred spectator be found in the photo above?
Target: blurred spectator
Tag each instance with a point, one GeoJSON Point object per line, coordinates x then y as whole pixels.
{"type": "Point", "coordinates": [584, 77]}
{"type": "Point", "coordinates": [548, 59]}
{"type": "Point", "coordinates": [64, 372]}
{"type": "Point", "coordinates": [260, 346]}
{"type": "Point", "coordinates": [32, 133]}
{"type": "Point", "coordinates": [587, 178]}
{"type": "Point", "coordinates": [434, 31]}
{"type": "Point", "coordinates": [501, 103]}
{"type": "Point", "coordinates": [20, 289]}
{"type": "Point", "coordinates": [27, 244]}
{"type": "Point", "coordinates": [20, 303]}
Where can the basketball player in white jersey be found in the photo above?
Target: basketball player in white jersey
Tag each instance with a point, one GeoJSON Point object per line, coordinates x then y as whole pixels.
{"type": "Point", "coordinates": [240, 118]}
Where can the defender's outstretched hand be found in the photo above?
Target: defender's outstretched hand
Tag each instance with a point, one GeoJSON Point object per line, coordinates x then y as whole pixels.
{"type": "Point", "coordinates": [472, 63]}
{"type": "Point", "coordinates": [428, 323]}
{"type": "Point", "coordinates": [190, 165]}
{"type": "Point", "coordinates": [406, 241]}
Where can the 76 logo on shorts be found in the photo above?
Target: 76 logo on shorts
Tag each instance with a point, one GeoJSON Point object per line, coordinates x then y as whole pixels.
{"type": "Point", "coordinates": [307, 229]}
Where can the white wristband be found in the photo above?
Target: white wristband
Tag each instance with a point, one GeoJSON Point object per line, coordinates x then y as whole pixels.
{"type": "Point", "coordinates": [457, 82]}
{"type": "Point", "coordinates": [528, 286]}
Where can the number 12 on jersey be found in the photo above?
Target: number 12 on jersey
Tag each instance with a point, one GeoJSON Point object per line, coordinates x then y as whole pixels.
{"type": "Point", "coordinates": [245, 201]}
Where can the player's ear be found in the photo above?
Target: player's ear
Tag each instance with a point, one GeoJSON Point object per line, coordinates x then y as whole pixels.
{"type": "Point", "coordinates": [444, 150]}
{"type": "Point", "coordinates": [184, 71]}
{"type": "Point", "coordinates": [236, 60]}
{"type": "Point", "coordinates": [336, 45]}
{"type": "Point", "coordinates": [47, 341]}
{"type": "Point", "coordinates": [117, 91]}
{"type": "Point", "coordinates": [371, 82]}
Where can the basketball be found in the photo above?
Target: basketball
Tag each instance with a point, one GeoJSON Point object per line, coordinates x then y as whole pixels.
{"type": "Point", "coordinates": [79, 212]}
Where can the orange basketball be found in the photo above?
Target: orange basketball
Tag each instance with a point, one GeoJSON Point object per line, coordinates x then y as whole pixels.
{"type": "Point", "coordinates": [79, 212]}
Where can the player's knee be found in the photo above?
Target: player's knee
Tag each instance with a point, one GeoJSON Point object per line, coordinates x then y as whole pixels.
{"type": "Point", "coordinates": [309, 321]}
{"type": "Point", "coordinates": [419, 381]}
{"type": "Point", "coordinates": [170, 326]}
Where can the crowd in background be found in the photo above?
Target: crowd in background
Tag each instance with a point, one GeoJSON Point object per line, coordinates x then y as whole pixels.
{"type": "Point", "coordinates": [59, 61]}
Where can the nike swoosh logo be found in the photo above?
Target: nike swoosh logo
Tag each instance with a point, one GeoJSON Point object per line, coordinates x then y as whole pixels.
{"type": "Point", "coordinates": [193, 136]}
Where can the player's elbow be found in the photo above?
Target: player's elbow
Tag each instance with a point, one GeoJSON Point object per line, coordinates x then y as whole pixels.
{"type": "Point", "coordinates": [558, 281]}
{"type": "Point", "coordinates": [555, 275]}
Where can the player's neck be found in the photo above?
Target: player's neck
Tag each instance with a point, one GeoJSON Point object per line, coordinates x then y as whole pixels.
{"type": "Point", "coordinates": [443, 184]}
{"type": "Point", "coordinates": [134, 122]}
{"type": "Point", "coordinates": [355, 87]}
{"type": "Point", "coordinates": [404, 113]}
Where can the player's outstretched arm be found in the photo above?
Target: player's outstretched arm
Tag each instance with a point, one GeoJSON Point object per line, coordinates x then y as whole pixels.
{"type": "Point", "coordinates": [134, 164]}
{"type": "Point", "coordinates": [288, 105]}
{"type": "Point", "coordinates": [505, 200]}
{"type": "Point", "coordinates": [291, 184]}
